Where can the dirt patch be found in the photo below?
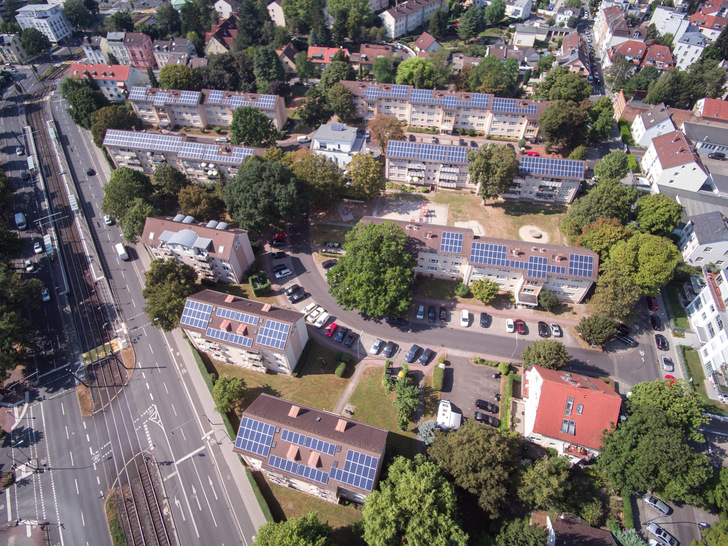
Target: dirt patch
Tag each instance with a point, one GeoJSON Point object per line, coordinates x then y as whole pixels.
{"type": "Point", "coordinates": [85, 402]}
{"type": "Point", "coordinates": [129, 360]}
{"type": "Point", "coordinates": [533, 234]}
{"type": "Point", "coordinates": [413, 208]}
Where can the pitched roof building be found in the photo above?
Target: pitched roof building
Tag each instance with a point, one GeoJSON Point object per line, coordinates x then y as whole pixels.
{"type": "Point", "coordinates": [704, 239]}
{"type": "Point", "coordinates": [658, 56]}
{"type": "Point", "coordinates": [652, 123]}
{"type": "Point", "coordinates": [287, 56]}
{"type": "Point", "coordinates": [221, 36]}
{"type": "Point", "coordinates": [426, 43]}
{"type": "Point", "coordinates": [710, 25]}
{"type": "Point", "coordinates": [568, 412]}
{"type": "Point", "coordinates": [368, 53]}
{"type": "Point", "coordinates": [314, 451]}
{"type": "Point", "coordinates": [141, 53]}
{"type": "Point", "coordinates": [671, 160]}
{"type": "Point", "coordinates": [113, 80]}
{"type": "Point", "coordinates": [175, 51]}
{"type": "Point", "coordinates": [712, 109]}
{"type": "Point", "coordinates": [322, 56]}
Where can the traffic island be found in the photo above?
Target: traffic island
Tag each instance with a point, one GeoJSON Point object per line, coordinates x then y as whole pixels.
{"type": "Point", "coordinates": [85, 402]}
{"type": "Point", "coordinates": [118, 538]}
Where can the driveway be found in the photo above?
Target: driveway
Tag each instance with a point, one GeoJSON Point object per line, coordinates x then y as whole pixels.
{"type": "Point", "coordinates": [466, 382]}
{"type": "Point", "coordinates": [682, 523]}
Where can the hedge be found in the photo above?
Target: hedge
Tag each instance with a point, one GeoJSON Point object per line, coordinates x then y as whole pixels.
{"type": "Point", "coordinates": [263, 284]}
{"type": "Point", "coordinates": [438, 376]}
{"type": "Point", "coordinates": [627, 510]}
{"type": "Point", "coordinates": [484, 362]}
{"type": "Point", "coordinates": [625, 132]}
{"type": "Point", "coordinates": [340, 369]}
{"type": "Point", "coordinates": [634, 167]}
{"type": "Point", "coordinates": [208, 377]}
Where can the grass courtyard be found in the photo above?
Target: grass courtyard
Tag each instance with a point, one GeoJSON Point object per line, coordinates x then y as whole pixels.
{"type": "Point", "coordinates": [695, 368]}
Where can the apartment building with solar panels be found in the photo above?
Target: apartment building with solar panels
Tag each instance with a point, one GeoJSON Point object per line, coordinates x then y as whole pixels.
{"type": "Point", "coordinates": [313, 451]}
{"type": "Point", "coordinates": [418, 163]}
{"type": "Point", "coordinates": [547, 180]}
{"type": "Point", "coordinates": [206, 108]}
{"type": "Point", "coordinates": [520, 267]}
{"type": "Point", "coordinates": [448, 110]}
{"type": "Point", "coordinates": [200, 162]}
{"type": "Point", "coordinates": [245, 333]}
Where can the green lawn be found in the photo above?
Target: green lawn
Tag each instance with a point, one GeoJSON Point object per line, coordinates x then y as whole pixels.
{"type": "Point", "coordinates": [325, 233]}
{"type": "Point", "coordinates": [676, 309]}
{"type": "Point", "coordinates": [695, 368]}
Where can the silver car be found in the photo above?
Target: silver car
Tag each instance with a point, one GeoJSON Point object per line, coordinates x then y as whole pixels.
{"type": "Point", "coordinates": [663, 536]}
{"type": "Point", "coordinates": [667, 365]}
{"type": "Point", "coordinates": [657, 504]}
{"type": "Point", "coordinates": [376, 346]}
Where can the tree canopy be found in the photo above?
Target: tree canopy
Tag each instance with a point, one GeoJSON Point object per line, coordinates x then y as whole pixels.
{"type": "Point", "coordinates": [607, 199]}
{"type": "Point", "coordinates": [570, 86]}
{"type": "Point", "coordinates": [83, 100]}
{"type": "Point", "coordinates": [471, 23]}
{"type": "Point", "coordinates": [179, 76]}
{"type": "Point", "coordinates": [520, 532]}
{"type": "Point", "coordinates": [596, 329]}
{"type": "Point", "coordinates": [120, 117]}
{"type": "Point", "coordinates": [494, 168]}
{"type": "Point", "coordinates": [252, 127]}
{"type": "Point", "coordinates": [616, 294]}
{"type": "Point", "coordinates": [492, 75]}
{"type": "Point", "coordinates": [167, 285]}
{"type": "Point", "coordinates": [494, 12]}
{"type": "Point", "coordinates": [545, 484]}
{"type": "Point", "coordinates": [203, 202]}
{"type": "Point", "coordinates": [613, 166]}
{"type": "Point", "coordinates": [383, 70]}
{"type": "Point", "coordinates": [227, 393]}
{"type": "Point", "coordinates": [650, 260]}
{"type": "Point", "coordinates": [485, 290]}
{"type": "Point", "coordinates": [564, 122]}
{"type": "Point", "coordinates": [336, 72]}
{"type": "Point", "coordinates": [34, 41]}
{"type": "Point", "coordinates": [414, 505]}
{"type": "Point", "coordinates": [314, 108]}
{"type": "Point", "coordinates": [320, 176]}
{"type": "Point", "coordinates": [367, 176]}
{"type": "Point", "coordinates": [682, 88]}
{"type": "Point", "coordinates": [375, 274]}
{"type": "Point", "coordinates": [602, 235]}
{"type": "Point", "coordinates": [77, 13]}
{"type": "Point", "coordinates": [658, 214]}
{"type": "Point", "coordinates": [267, 67]}
{"type": "Point", "coordinates": [167, 19]}
{"type": "Point", "coordinates": [307, 530]}
{"type": "Point", "coordinates": [384, 127]}
{"type": "Point", "coordinates": [126, 188]}
{"type": "Point", "coordinates": [341, 102]}
{"type": "Point", "coordinates": [16, 296]}
{"type": "Point", "coordinates": [418, 72]}
{"type": "Point", "coordinates": [548, 353]}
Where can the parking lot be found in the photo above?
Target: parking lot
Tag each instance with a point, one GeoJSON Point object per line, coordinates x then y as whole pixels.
{"type": "Point", "coordinates": [473, 382]}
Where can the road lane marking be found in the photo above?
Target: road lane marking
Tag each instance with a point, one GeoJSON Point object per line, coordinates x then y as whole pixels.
{"type": "Point", "coordinates": [192, 454]}
{"type": "Point", "coordinates": [98, 480]}
{"type": "Point", "coordinates": [71, 454]}
{"type": "Point", "coordinates": [63, 410]}
{"type": "Point", "coordinates": [152, 350]}
{"type": "Point", "coordinates": [151, 396]}
{"type": "Point", "coordinates": [174, 410]}
{"type": "Point", "coordinates": [84, 425]}
{"type": "Point", "coordinates": [147, 384]}
{"type": "Point", "coordinates": [76, 482]}
{"type": "Point", "coordinates": [67, 437]}
{"type": "Point", "coordinates": [87, 438]}
{"type": "Point", "coordinates": [165, 388]}
{"type": "Point", "coordinates": [83, 521]}
{"type": "Point", "coordinates": [9, 502]}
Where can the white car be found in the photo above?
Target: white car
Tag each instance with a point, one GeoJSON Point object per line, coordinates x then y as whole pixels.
{"type": "Point", "coordinates": [556, 330]}
{"type": "Point", "coordinates": [29, 266]}
{"type": "Point", "coordinates": [657, 504]}
{"type": "Point", "coordinates": [19, 151]}
{"type": "Point", "coordinates": [37, 247]}
{"type": "Point", "coordinates": [45, 295]}
{"type": "Point", "coordinates": [464, 318]}
{"type": "Point", "coordinates": [323, 317]}
{"type": "Point", "coordinates": [662, 535]}
{"type": "Point", "coordinates": [310, 307]}
{"type": "Point", "coordinates": [510, 326]}
{"type": "Point", "coordinates": [107, 220]}
{"type": "Point", "coordinates": [376, 346]}
{"type": "Point", "coordinates": [315, 314]}
{"type": "Point", "coordinates": [283, 273]}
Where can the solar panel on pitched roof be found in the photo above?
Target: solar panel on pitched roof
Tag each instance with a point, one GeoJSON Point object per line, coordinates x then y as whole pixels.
{"type": "Point", "coordinates": [451, 242]}
{"type": "Point", "coordinates": [216, 96]}
{"type": "Point", "coordinates": [138, 93]}
{"type": "Point", "coordinates": [359, 470]}
{"type": "Point", "coordinates": [237, 316]}
{"type": "Point", "coordinates": [196, 314]}
{"type": "Point", "coordinates": [188, 97]}
{"type": "Point", "coordinates": [293, 467]}
{"type": "Point", "coordinates": [229, 337]}
{"type": "Point", "coordinates": [255, 436]}
{"type": "Point", "coordinates": [580, 265]}
{"type": "Point", "coordinates": [308, 441]}
{"type": "Point", "coordinates": [488, 254]}
{"type": "Point", "coordinates": [273, 334]}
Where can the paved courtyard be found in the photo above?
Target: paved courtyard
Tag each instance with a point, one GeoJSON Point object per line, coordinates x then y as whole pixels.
{"type": "Point", "coordinates": [466, 382]}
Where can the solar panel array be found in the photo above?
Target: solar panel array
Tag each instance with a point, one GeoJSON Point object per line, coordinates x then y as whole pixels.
{"type": "Point", "coordinates": [216, 96]}
{"type": "Point", "coordinates": [229, 337]}
{"type": "Point", "coordinates": [138, 93]}
{"type": "Point", "coordinates": [580, 265]}
{"type": "Point", "coordinates": [273, 334]}
{"type": "Point", "coordinates": [160, 99]}
{"type": "Point", "coordinates": [264, 101]}
{"type": "Point", "coordinates": [511, 106]}
{"type": "Point", "coordinates": [397, 92]}
{"type": "Point", "coordinates": [297, 468]}
{"type": "Point", "coordinates": [196, 314]}
{"type": "Point", "coordinates": [188, 97]}
{"type": "Point", "coordinates": [490, 254]}
{"type": "Point", "coordinates": [359, 470]}
{"type": "Point", "coordinates": [306, 441]}
{"type": "Point", "coordinates": [427, 152]}
{"type": "Point", "coordinates": [235, 315]}
{"type": "Point", "coordinates": [427, 96]}
{"type": "Point", "coordinates": [255, 436]}
{"type": "Point", "coordinates": [562, 168]}
{"type": "Point", "coordinates": [451, 242]}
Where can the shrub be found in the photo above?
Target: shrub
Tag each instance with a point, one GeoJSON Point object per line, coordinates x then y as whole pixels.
{"type": "Point", "coordinates": [388, 364]}
{"type": "Point", "coordinates": [442, 359]}
{"type": "Point", "coordinates": [547, 147]}
{"type": "Point", "coordinates": [592, 512]}
{"type": "Point", "coordinates": [340, 369]}
{"type": "Point", "coordinates": [438, 376]}
{"type": "Point", "coordinates": [321, 362]}
{"type": "Point", "coordinates": [462, 290]}
{"type": "Point", "coordinates": [578, 153]}
{"type": "Point", "coordinates": [405, 368]}
{"type": "Point", "coordinates": [218, 130]}
{"type": "Point", "coordinates": [522, 143]}
{"type": "Point", "coordinates": [426, 431]}
{"type": "Point", "coordinates": [548, 300]}
{"type": "Point", "coordinates": [344, 357]}
{"type": "Point", "coordinates": [504, 368]}
{"type": "Point", "coordinates": [634, 167]}
{"type": "Point", "coordinates": [625, 132]}
{"type": "Point", "coordinates": [259, 284]}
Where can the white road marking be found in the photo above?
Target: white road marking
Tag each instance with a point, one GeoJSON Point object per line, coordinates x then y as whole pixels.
{"type": "Point", "coordinates": [191, 454]}
{"type": "Point", "coordinates": [67, 437]}
{"type": "Point", "coordinates": [150, 348]}
{"type": "Point", "coordinates": [83, 521]}
{"type": "Point", "coordinates": [147, 384]}
{"type": "Point", "coordinates": [173, 410]}
{"type": "Point", "coordinates": [9, 502]}
{"type": "Point", "coordinates": [151, 396]}
{"type": "Point", "coordinates": [76, 482]}
{"type": "Point", "coordinates": [63, 410]}
{"type": "Point", "coordinates": [71, 454]}
{"type": "Point", "coordinates": [98, 480]}
{"type": "Point", "coordinates": [165, 388]}
{"type": "Point", "coordinates": [87, 438]}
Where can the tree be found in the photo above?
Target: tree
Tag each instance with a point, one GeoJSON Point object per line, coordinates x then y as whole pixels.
{"type": "Point", "coordinates": [579, 152]}
{"type": "Point", "coordinates": [168, 181]}
{"type": "Point", "coordinates": [485, 290]}
{"type": "Point", "coordinates": [408, 397]}
{"type": "Point", "coordinates": [545, 484]}
{"type": "Point", "coordinates": [307, 530]}
{"type": "Point", "coordinates": [252, 127]}
{"type": "Point", "coordinates": [375, 274]}
{"type": "Point", "coordinates": [562, 84]}
{"type": "Point", "coordinates": [426, 431]}
{"type": "Point", "coordinates": [121, 21]}
{"type": "Point", "coordinates": [601, 119]}
{"type": "Point", "coordinates": [83, 101]}
{"type": "Point", "coordinates": [341, 102]}
{"type": "Point", "coordinates": [34, 41]}
{"type": "Point", "coordinates": [416, 71]}
{"type": "Point", "coordinates": [491, 75]}
{"type": "Point", "coordinates": [620, 71]}
{"type": "Point", "coordinates": [77, 14]}
{"type": "Point", "coordinates": [495, 11]}
{"type": "Point", "coordinates": [614, 166]}
{"type": "Point", "coordinates": [573, 21]}
{"type": "Point", "coordinates": [617, 292]}
{"type": "Point", "coordinates": [493, 168]}
{"type": "Point", "coordinates": [480, 460]}
{"type": "Point", "coordinates": [112, 117]}
{"type": "Point", "coordinates": [658, 214]}
{"type": "Point", "coordinates": [132, 223]}
{"type": "Point", "coordinates": [642, 80]}
{"type": "Point", "coordinates": [320, 176]}
{"type": "Point", "coordinates": [520, 532]}
{"type": "Point", "coordinates": [304, 66]}
{"type": "Point", "coordinates": [471, 23]}
{"type": "Point", "coordinates": [721, 44]}
{"type": "Point", "coordinates": [263, 193]}
{"type": "Point", "coordinates": [367, 176]}
{"type": "Point", "coordinates": [414, 505]}
{"type": "Point", "coordinates": [548, 300]}
{"type": "Point", "coordinates": [602, 235]}
{"type": "Point", "coordinates": [563, 122]}
{"type": "Point", "coordinates": [167, 285]}
{"type": "Point", "coordinates": [336, 72]}
{"type": "Point", "coordinates": [682, 88]}
{"type": "Point", "coordinates": [125, 185]}
{"type": "Point", "coordinates": [16, 296]}
{"type": "Point", "coordinates": [227, 393]}
{"type": "Point", "coordinates": [597, 329]}
{"type": "Point", "coordinates": [11, 8]}
{"type": "Point", "coordinates": [384, 128]}
{"type": "Point", "coordinates": [548, 353]}
{"type": "Point", "coordinates": [267, 67]}
{"type": "Point", "coordinates": [179, 76]}
{"type": "Point", "coordinates": [650, 260]}
{"type": "Point", "coordinates": [383, 70]}
{"type": "Point", "coordinates": [607, 199]}
{"type": "Point", "coordinates": [716, 534]}
{"type": "Point", "coordinates": [437, 25]}
{"type": "Point", "coordinates": [250, 22]}
{"type": "Point", "coordinates": [202, 202]}
{"type": "Point", "coordinates": [718, 493]}
{"type": "Point", "coordinates": [168, 20]}
{"type": "Point", "coordinates": [314, 109]}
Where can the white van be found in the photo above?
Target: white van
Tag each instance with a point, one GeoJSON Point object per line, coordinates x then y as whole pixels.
{"type": "Point", "coordinates": [464, 318]}
{"type": "Point", "coordinates": [20, 221]}
{"type": "Point", "coordinates": [222, 139]}
{"type": "Point", "coordinates": [121, 251]}
{"type": "Point", "coordinates": [303, 139]}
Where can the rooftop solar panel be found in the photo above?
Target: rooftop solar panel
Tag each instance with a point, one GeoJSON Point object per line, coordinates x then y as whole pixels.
{"type": "Point", "coordinates": [564, 168]}
{"type": "Point", "coordinates": [229, 337]}
{"type": "Point", "coordinates": [138, 93]}
{"type": "Point", "coordinates": [188, 97]}
{"type": "Point", "coordinates": [307, 441]}
{"type": "Point", "coordinates": [255, 436]}
{"type": "Point", "coordinates": [293, 467]}
{"type": "Point", "coordinates": [512, 106]}
{"type": "Point", "coordinates": [237, 316]}
{"type": "Point", "coordinates": [160, 99]}
{"type": "Point", "coordinates": [196, 314]}
{"type": "Point", "coordinates": [359, 470]}
{"type": "Point", "coordinates": [580, 265]}
{"type": "Point", "coordinates": [451, 242]}
{"type": "Point", "coordinates": [215, 96]}
{"type": "Point", "coordinates": [427, 152]}
{"type": "Point", "coordinates": [427, 96]}
{"type": "Point", "coordinates": [273, 334]}
{"type": "Point", "coordinates": [488, 254]}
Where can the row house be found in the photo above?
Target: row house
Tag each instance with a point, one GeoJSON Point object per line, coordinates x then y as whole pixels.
{"type": "Point", "coordinates": [113, 80]}
{"type": "Point", "coordinates": [313, 451]}
{"type": "Point", "coordinates": [217, 252]}
{"type": "Point", "coordinates": [206, 108]}
{"type": "Point", "coordinates": [547, 180]}
{"type": "Point", "coordinates": [449, 110]}
{"type": "Point", "coordinates": [689, 49]}
{"type": "Point", "coordinates": [407, 16]}
{"type": "Point", "coordinates": [246, 333]}
{"type": "Point", "coordinates": [175, 51]}
{"type": "Point", "coordinates": [322, 56]}
{"type": "Point", "coordinates": [652, 123]}
{"type": "Point", "coordinates": [574, 54]}
{"type": "Point", "coordinates": [200, 162]}
{"type": "Point", "coordinates": [709, 25]}
{"type": "Point", "coordinates": [519, 267]}
{"type": "Point", "coordinates": [12, 50]}
{"type": "Point", "coordinates": [641, 55]}
{"type": "Point", "coordinates": [611, 28]}
{"type": "Point", "coordinates": [47, 18]}
{"type": "Point", "coordinates": [368, 53]}
{"type": "Point", "coordinates": [671, 161]}
{"type": "Point", "coordinates": [221, 36]}
{"type": "Point", "coordinates": [92, 48]}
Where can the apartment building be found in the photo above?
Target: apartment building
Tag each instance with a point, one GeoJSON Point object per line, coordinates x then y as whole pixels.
{"type": "Point", "coordinates": [709, 25]}
{"type": "Point", "coordinates": [547, 180]}
{"type": "Point", "coordinates": [689, 48]}
{"type": "Point", "coordinates": [652, 123]}
{"type": "Point", "coordinates": [217, 252]}
{"type": "Point", "coordinates": [92, 48]}
{"type": "Point", "coordinates": [669, 20]}
{"type": "Point", "coordinates": [448, 110]}
{"type": "Point", "coordinates": [612, 27]}
{"type": "Point", "coordinates": [407, 16]}
{"type": "Point", "coordinates": [115, 46]}
{"type": "Point", "coordinates": [275, 9]}
{"type": "Point", "coordinates": [12, 50]}
{"type": "Point", "coordinates": [337, 142]}
{"type": "Point", "coordinates": [200, 162]}
{"type": "Point", "coordinates": [575, 54]}
{"type": "Point", "coordinates": [175, 51]}
{"type": "Point", "coordinates": [671, 160]}
{"type": "Point", "coordinates": [708, 139]}
{"type": "Point", "coordinates": [317, 452]}
{"type": "Point", "coordinates": [704, 239]}
{"type": "Point", "coordinates": [519, 9]}
{"type": "Point", "coordinates": [711, 109]}
{"type": "Point", "coordinates": [418, 163]}
{"type": "Point", "coordinates": [47, 18]}
{"type": "Point", "coordinates": [519, 267]}
{"type": "Point", "coordinates": [139, 47]}
{"type": "Point", "coordinates": [206, 108]}
{"type": "Point", "coordinates": [114, 80]}
{"type": "Point", "coordinates": [245, 333]}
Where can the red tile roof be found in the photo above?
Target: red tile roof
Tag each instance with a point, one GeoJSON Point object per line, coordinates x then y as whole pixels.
{"type": "Point", "coordinates": [632, 49]}
{"type": "Point", "coordinates": [708, 21]}
{"type": "Point", "coordinates": [600, 407]}
{"type": "Point", "coordinates": [109, 72]}
{"type": "Point", "coordinates": [674, 149]}
{"type": "Point", "coordinates": [713, 108]}
{"type": "Point", "coordinates": [659, 56]}
{"type": "Point", "coordinates": [324, 54]}
{"type": "Point", "coordinates": [225, 31]}
{"type": "Point", "coordinates": [425, 41]}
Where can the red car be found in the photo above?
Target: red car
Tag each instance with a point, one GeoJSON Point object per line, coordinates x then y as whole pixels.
{"type": "Point", "coordinates": [331, 330]}
{"type": "Point", "coordinates": [279, 236]}
{"type": "Point", "coordinates": [521, 327]}
{"type": "Point", "coordinates": [652, 303]}
{"type": "Point", "coordinates": [532, 153]}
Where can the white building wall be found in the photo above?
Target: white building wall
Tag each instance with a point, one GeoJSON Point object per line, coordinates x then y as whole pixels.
{"type": "Point", "coordinates": [666, 21]}
{"type": "Point", "coordinates": [46, 18]}
{"type": "Point", "coordinates": [643, 137]}
{"type": "Point", "coordinates": [708, 319]}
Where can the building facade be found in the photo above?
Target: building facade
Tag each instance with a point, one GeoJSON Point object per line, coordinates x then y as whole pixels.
{"type": "Point", "coordinates": [175, 51]}
{"type": "Point", "coordinates": [139, 47]}
{"type": "Point", "coordinates": [200, 162]}
{"type": "Point", "coordinates": [217, 253]}
{"type": "Point", "coordinates": [115, 46]}
{"type": "Point", "coordinates": [448, 110]}
{"type": "Point", "coordinates": [12, 50]}
{"type": "Point", "coordinates": [407, 16]}
{"type": "Point", "coordinates": [650, 124]}
{"type": "Point", "coordinates": [547, 180]}
{"type": "Point", "coordinates": [669, 20]}
{"type": "Point", "coordinates": [337, 142]}
{"type": "Point", "coordinates": [92, 48]}
{"type": "Point", "coordinates": [225, 8]}
{"type": "Point", "coordinates": [711, 109]}
{"type": "Point", "coordinates": [47, 18]}
{"type": "Point", "coordinates": [689, 48]}
{"type": "Point", "coordinates": [704, 239]}
{"type": "Point", "coordinates": [317, 452]}
{"type": "Point", "coordinates": [275, 9]}
{"type": "Point", "coordinates": [517, 266]}
{"type": "Point", "coordinates": [206, 108]}
{"type": "Point", "coordinates": [671, 161]}
{"type": "Point", "coordinates": [519, 9]}
{"type": "Point", "coordinates": [113, 80]}
{"type": "Point", "coordinates": [445, 167]}
{"type": "Point", "coordinates": [245, 333]}
{"type": "Point", "coordinates": [368, 53]}
{"type": "Point", "coordinates": [221, 36]}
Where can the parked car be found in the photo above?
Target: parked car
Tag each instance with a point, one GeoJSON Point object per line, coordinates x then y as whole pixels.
{"type": "Point", "coordinates": [473, 144]}
{"type": "Point", "coordinates": [376, 346]}
{"type": "Point", "coordinates": [341, 334]}
{"type": "Point", "coordinates": [298, 296]}
{"type": "Point", "coordinates": [45, 295]}
{"type": "Point", "coordinates": [280, 236]}
{"type": "Point", "coordinates": [108, 220]}
{"type": "Point", "coordinates": [310, 307]}
{"type": "Point", "coordinates": [291, 289]}
{"type": "Point", "coordinates": [443, 313]}
{"type": "Point", "coordinates": [431, 314]}
{"type": "Point", "coordinates": [282, 273]}
{"type": "Point", "coordinates": [487, 406]}
{"type": "Point", "coordinates": [426, 357]}
{"type": "Point", "coordinates": [666, 538]}
{"type": "Point", "coordinates": [717, 155]}
{"type": "Point", "coordinates": [311, 318]}
{"type": "Point", "coordinates": [464, 318]}
{"type": "Point", "coordinates": [412, 354]}
{"type": "Point", "coordinates": [629, 341]}
{"type": "Point", "coordinates": [37, 247]}
{"type": "Point", "coordinates": [543, 329]}
{"type": "Point", "coordinates": [655, 322]}
{"type": "Point", "coordinates": [389, 349]}
{"type": "Point", "coordinates": [323, 317]}
{"type": "Point", "coordinates": [279, 267]}
{"type": "Point", "coordinates": [29, 266]}
{"type": "Point", "coordinates": [420, 312]}
{"type": "Point", "coordinates": [350, 338]}
{"type": "Point", "coordinates": [556, 330]}
{"type": "Point", "coordinates": [411, 138]}
{"type": "Point", "coordinates": [279, 255]}
{"type": "Point", "coordinates": [510, 326]}
{"type": "Point", "coordinates": [652, 304]}
{"type": "Point", "coordinates": [521, 327]}
{"type": "Point", "coordinates": [328, 264]}
{"type": "Point", "coordinates": [667, 363]}
{"type": "Point", "coordinates": [484, 320]}
{"type": "Point", "coordinates": [623, 329]}
{"type": "Point", "coordinates": [657, 504]}
{"type": "Point", "coordinates": [661, 342]}
{"type": "Point", "coordinates": [395, 321]}
{"type": "Point", "coordinates": [19, 151]}
{"type": "Point", "coordinates": [278, 243]}
{"type": "Point", "coordinates": [331, 329]}
{"type": "Point", "coordinates": [487, 419]}
{"type": "Point", "coordinates": [434, 140]}
{"type": "Point", "coordinates": [90, 172]}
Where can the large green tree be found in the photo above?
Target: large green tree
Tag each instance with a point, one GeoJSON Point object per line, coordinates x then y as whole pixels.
{"type": "Point", "coordinates": [494, 12]}
{"type": "Point", "coordinates": [418, 72]}
{"type": "Point", "coordinates": [607, 199]}
{"type": "Point", "coordinates": [601, 120]}
{"type": "Point", "coordinates": [493, 168]}
{"type": "Point", "coordinates": [564, 122]}
{"type": "Point", "coordinates": [602, 235]}
{"type": "Point", "coordinates": [320, 176]}
{"type": "Point", "coordinates": [168, 20]}
{"type": "Point", "coordinates": [314, 108]}
{"type": "Point", "coordinates": [614, 166]}
{"type": "Point", "coordinates": [658, 214]}
{"type": "Point", "coordinates": [204, 202]}
{"type": "Point", "coordinates": [492, 75]}
{"type": "Point", "coordinates": [227, 393]}
{"type": "Point", "coordinates": [179, 76]}
{"type": "Point", "coordinates": [548, 353]}
{"type": "Point", "coordinates": [267, 68]}
{"type": "Point", "coordinates": [16, 333]}
{"type": "Point", "coordinates": [167, 284]}
{"type": "Point", "coordinates": [520, 532]}
{"type": "Point", "coordinates": [307, 530]}
{"type": "Point", "coordinates": [341, 102]}
{"type": "Point", "coordinates": [83, 100]}
{"type": "Point", "coordinates": [384, 127]}
{"type": "Point", "coordinates": [124, 187]}
{"type": "Point", "coordinates": [716, 534]}
{"type": "Point", "coordinates": [132, 223]}
{"type": "Point", "coordinates": [77, 13]}
{"type": "Point", "coordinates": [682, 88]}
{"type": "Point", "coordinates": [471, 23]}
{"type": "Point", "coordinates": [485, 290]}
{"type": "Point", "coordinates": [304, 66]}
{"type": "Point", "coordinates": [375, 275]}
{"type": "Point", "coordinates": [121, 21]}
{"type": "Point", "coordinates": [437, 24]}
{"type": "Point", "coordinates": [616, 294]}
{"type": "Point", "coordinates": [545, 484]}
{"type": "Point", "coordinates": [650, 260]}
{"type": "Point", "coordinates": [336, 72]}
{"type": "Point", "coordinates": [414, 505]}
{"type": "Point", "coordinates": [383, 70]}
{"type": "Point", "coordinates": [570, 87]}
{"type": "Point", "coordinates": [596, 329]}
{"type": "Point", "coordinates": [251, 127]}
{"type": "Point", "coordinates": [367, 176]}
{"type": "Point", "coordinates": [480, 460]}
{"type": "Point", "coordinates": [34, 41]}
{"type": "Point", "coordinates": [120, 117]}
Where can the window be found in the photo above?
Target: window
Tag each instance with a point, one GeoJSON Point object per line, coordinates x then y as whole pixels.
{"type": "Point", "coordinates": [719, 322]}
{"type": "Point", "coordinates": [568, 427]}
{"type": "Point", "coordinates": [711, 331]}
{"type": "Point", "coordinates": [579, 409]}
{"type": "Point", "coordinates": [569, 406]}
{"type": "Point", "coordinates": [708, 249]}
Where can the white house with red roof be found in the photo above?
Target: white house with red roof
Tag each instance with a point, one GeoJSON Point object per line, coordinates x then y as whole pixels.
{"type": "Point", "coordinates": [671, 161]}
{"type": "Point", "coordinates": [568, 412]}
{"type": "Point", "coordinates": [710, 25]}
{"type": "Point", "coordinates": [426, 43]}
{"type": "Point", "coordinates": [115, 80]}
{"type": "Point", "coordinates": [658, 56]}
{"type": "Point", "coordinates": [322, 56]}
{"type": "Point", "coordinates": [714, 109]}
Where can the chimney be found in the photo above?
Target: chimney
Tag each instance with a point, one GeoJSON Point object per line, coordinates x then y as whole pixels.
{"type": "Point", "coordinates": [266, 308]}
{"type": "Point", "coordinates": [230, 299]}
{"type": "Point", "coordinates": [341, 425]}
{"type": "Point", "coordinates": [293, 412]}
{"type": "Point", "coordinates": [292, 454]}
